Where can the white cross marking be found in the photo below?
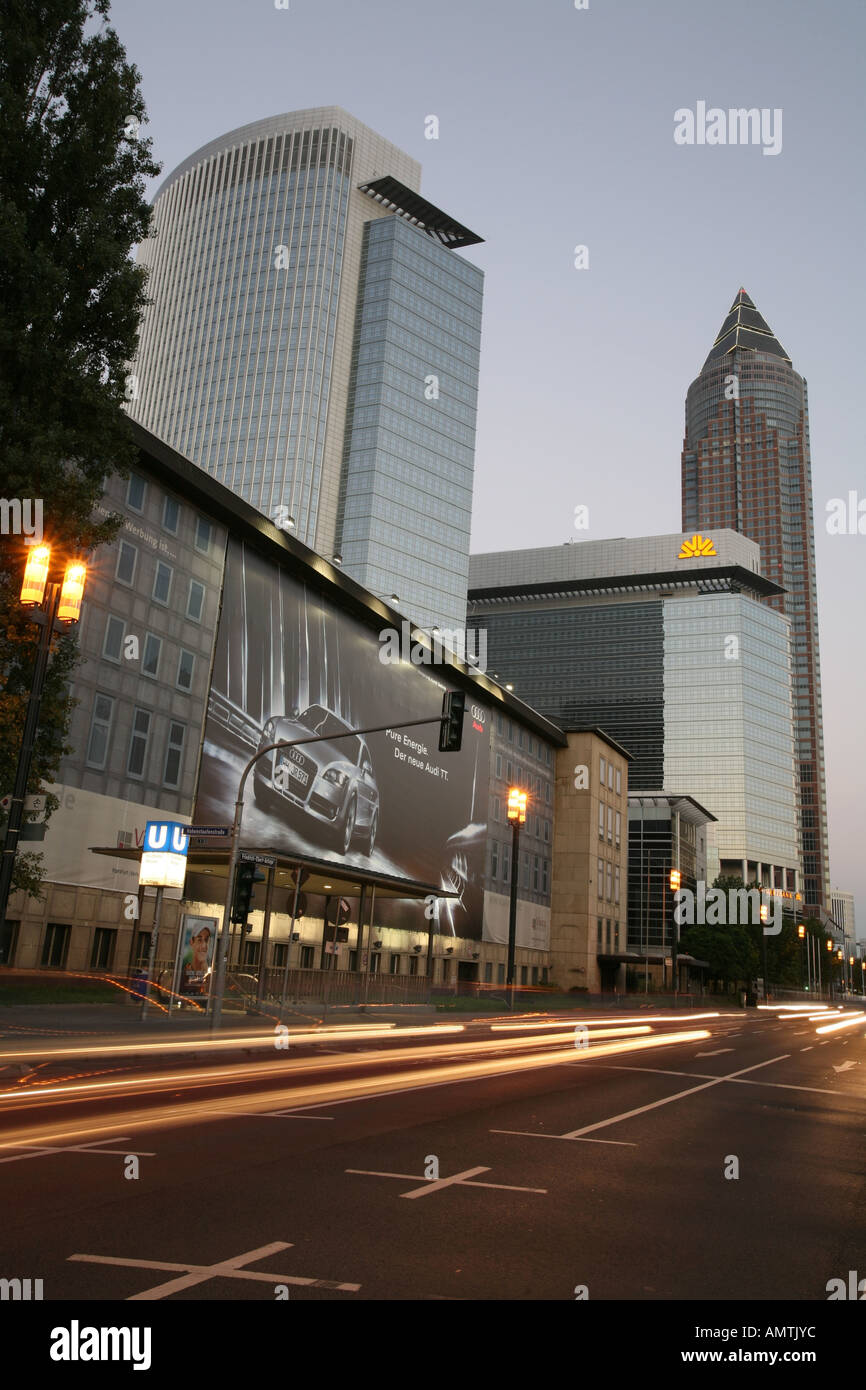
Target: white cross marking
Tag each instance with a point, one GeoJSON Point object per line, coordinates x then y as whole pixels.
{"type": "Point", "coordinates": [40, 1150]}
{"type": "Point", "coordinates": [192, 1274]}
{"type": "Point", "coordinates": [464, 1179]}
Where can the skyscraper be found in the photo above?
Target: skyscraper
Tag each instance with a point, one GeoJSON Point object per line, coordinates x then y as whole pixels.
{"type": "Point", "coordinates": [313, 342]}
{"type": "Point", "coordinates": [746, 465]}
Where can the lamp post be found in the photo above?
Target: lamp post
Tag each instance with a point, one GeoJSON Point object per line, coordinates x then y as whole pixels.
{"type": "Point", "coordinates": [764, 914]}
{"type": "Point", "coordinates": [830, 968]}
{"type": "Point", "coordinates": [516, 818]}
{"type": "Point", "coordinates": [50, 601]}
{"type": "Point", "coordinates": [676, 879]}
{"type": "Point", "coordinates": [801, 932]}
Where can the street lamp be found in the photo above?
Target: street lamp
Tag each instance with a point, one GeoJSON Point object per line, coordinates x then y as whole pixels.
{"type": "Point", "coordinates": [765, 914]}
{"type": "Point", "coordinates": [675, 880]}
{"type": "Point", "coordinates": [807, 975]}
{"type": "Point", "coordinates": [516, 818]}
{"type": "Point", "coordinates": [48, 601]}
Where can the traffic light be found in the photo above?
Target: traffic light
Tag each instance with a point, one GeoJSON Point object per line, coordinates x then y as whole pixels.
{"type": "Point", "coordinates": [246, 878]}
{"type": "Point", "coordinates": [451, 728]}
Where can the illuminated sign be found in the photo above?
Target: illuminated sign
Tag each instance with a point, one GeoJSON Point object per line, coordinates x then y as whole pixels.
{"type": "Point", "coordinates": [698, 545]}
{"type": "Point", "coordinates": [163, 855]}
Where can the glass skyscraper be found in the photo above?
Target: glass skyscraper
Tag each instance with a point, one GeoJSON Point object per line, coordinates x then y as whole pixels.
{"type": "Point", "coordinates": [313, 341]}
{"type": "Point", "coordinates": [671, 649]}
{"type": "Point", "coordinates": [746, 465]}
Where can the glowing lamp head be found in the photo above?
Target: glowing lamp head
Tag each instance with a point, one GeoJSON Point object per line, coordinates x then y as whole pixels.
{"type": "Point", "coordinates": [516, 806]}
{"type": "Point", "coordinates": [801, 931]}
{"type": "Point", "coordinates": [765, 913]}
{"type": "Point", "coordinates": [829, 944]}
{"type": "Point", "coordinates": [72, 593]}
{"type": "Point", "coordinates": [675, 879]}
{"type": "Point", "coordinates": [36, 574]}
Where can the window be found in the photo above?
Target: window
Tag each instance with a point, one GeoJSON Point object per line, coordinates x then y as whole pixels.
{"type": "Point", "coordinates": [610, 825]}
{"type": "Point", "coordinates": [375, 960]}
{"type": "Point", "coordinates": [510, 732]}
{"type": "Point", "coordinates": [524, 972]}
{"type": "Point", "coordinates": [494, 859]}
{"type": "Point", "coordinates": [170, 515]}
{"type": "Point", "coordinates": [202, 535]}
{"type": "Point", "coordinates": [413, 964]}
{"type": "Point", "coordinates": [610, 776]}
{"type": "Point", "coordinates": [306, 957]}
{"type": "Point", "coordinates": [619, 781]}
{"type": "Point", "coordinates": [395, 964]}
{"type": "Point", "coordinates": [509, 774]}
{"type": "Point", "coordinates": [174, 754]}
{"type": "Point", "coordinates": [126, 558]}
{"type": "Point", "coordinates": [601, 766]}
{"type": "Point", "coordinates": [112, 645]}
{"type": "Point", "coordinates": [601, 820]}
{"type": "Point", "coordinates": [252, 950]}
{"type": "Point", "coordinates": [55, 945]}
{"type": "Point", "coordinates": [136, 492]}
{"type": "Point", "coordinates": [498, 764]}
{"type": "Point", "coordinates": [506, 856]}
{"type": "Point", "coordinates": [607, 937]}
{"type": "Point", "coordinates": [535, 873]}
{"type": "Point", "coordinates": [141, 949]}
{"type": "Point", "coordinates": [280, 954]}
{"type": "Point", "coordinates": [488, 972]}
{"type": "Point", "coordinates": [618, 828]}
{"type": "Point", "coordinates": [495, 807]}
{"type": "Point", "coordinates": [185, 667]}
{"type": "Point", "coordinates": [150, 659]}
{"type": "Point", "coordinates": [616, 884]}
{"type": "Point", "coordinates": [138, 743]}
{"type": "Point", "coordinates": [547, 832]}
{"type": "Point", "coordinates": [545, 876]}
{"type": "Point", "coordinates": [600, 888]}
{"type": "Point", "coordinates": [102, 952]}
{"type": "Point", "coordinates": [500, 974]}
{"type": "Point", "coordinates": [8, 942]}
{"type": "Point", "coordinates": [608, 882]}
{"type": "Point", "coordinates": [100, 731]}
{"type": "Point", "coordinates": [162, 582]}
{"type": "Point", "coordinates": [598, 939]}
{"type": "Point", "coordinates": [195, 601]}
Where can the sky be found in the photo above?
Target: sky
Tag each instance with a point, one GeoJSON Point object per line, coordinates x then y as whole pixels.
{"type": "Point", "coordinates": [556, 130]}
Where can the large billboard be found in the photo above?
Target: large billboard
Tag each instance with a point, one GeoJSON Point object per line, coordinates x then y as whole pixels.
{"type": "Point", "coordinates": [289, 665]}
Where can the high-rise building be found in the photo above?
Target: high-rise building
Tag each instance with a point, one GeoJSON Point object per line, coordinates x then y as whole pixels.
{"type": "Point", "coordinates": [313, 342]}
{"type": "Point", "coordinates": [746, 465]}
{"type": "Point", "coordinates": [667, 645]}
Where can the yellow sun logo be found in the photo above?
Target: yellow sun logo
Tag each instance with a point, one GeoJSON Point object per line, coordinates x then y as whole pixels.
{"type": "Point", "coordinates": [698, 545]}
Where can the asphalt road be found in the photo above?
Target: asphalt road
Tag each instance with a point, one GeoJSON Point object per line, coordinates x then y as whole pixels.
{"type": "Point", "coordinates": [560, 1167]}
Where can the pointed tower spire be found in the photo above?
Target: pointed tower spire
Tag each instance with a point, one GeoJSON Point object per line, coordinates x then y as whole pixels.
{"type": "Point", "coordinates": [744, 327]}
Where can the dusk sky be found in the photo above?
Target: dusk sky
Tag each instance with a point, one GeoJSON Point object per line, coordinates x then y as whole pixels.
{"type": "Point", "coordinates": [556, 129]}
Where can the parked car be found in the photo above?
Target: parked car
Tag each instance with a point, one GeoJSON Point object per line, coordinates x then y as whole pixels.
{"type": "Point", "coordinates": [330, 784]}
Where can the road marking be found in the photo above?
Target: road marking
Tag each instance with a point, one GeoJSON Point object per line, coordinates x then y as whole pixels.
{"type": "Point", "coordinates": [653, 1104]}
{"type": "Point", "coordinates": [806, 1049]}
{"type": "Point", "coordinates": [735, 1080]}
{"type": "Point", "coordinates": [42, 1150]}
{"type": "Point", "coordinates": [718, 1052]}
{"type": "Point", "coordinates": [844, 1066]}
{"type": "Point", "coordinates": [464, 1179]}
{"type": "Point", "coordinates": [274, 1115]}
{"type": "Point", "coordinates": [192, 1274]}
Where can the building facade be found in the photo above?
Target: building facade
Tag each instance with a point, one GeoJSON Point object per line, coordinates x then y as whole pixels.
{"type": "Point", "coordinates": [206, 632]}
{"type": "Point", "coordinates": [746, 465]}
{"type": "Point", "coordinates": [665, 643]}
{"type": "Point", "coordinates": [312, 341]}
{"type": "Point", "coordinates": [589, 910]}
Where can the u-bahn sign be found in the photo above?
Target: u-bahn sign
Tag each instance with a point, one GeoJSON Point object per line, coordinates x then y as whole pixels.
{"type": "Point", "coordinates": [163, 855]}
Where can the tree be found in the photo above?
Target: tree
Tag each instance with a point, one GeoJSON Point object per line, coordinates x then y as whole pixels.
{"type": "Point", "coordinates": [72, 207]}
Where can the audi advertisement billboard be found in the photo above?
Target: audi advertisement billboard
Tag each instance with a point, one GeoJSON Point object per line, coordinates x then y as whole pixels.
{"type": "Point", "coordinates": [289, 665]}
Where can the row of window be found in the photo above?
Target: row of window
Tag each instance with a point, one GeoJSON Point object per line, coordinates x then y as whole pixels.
{"type": "Point", "coordinates": [151, 655]}
{"type": "Point", "coordinates": [614, 775]}
{"type": "Point", "coordinates": [603, 935]}
{"type": "Point", "coordinates": [505, 726]}
{"type": "Point", "coordinates": [99, 742]}
{"type": "Point", "coordinates": [516, 776]}
{"type": "Point", "coordinates": [608, 881]}
{"type": "Point", "coordinates": [614, 825]}
{"type": "Point", "coordinates": [127, 560]}
{"type": "Point", "coordinates": [136, 498]}
{"type": "Point", "coordinates": [535, 869]}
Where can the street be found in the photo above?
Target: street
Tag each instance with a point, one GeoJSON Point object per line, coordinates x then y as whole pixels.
{"type": "Point", "coordinates": [715, 1157]}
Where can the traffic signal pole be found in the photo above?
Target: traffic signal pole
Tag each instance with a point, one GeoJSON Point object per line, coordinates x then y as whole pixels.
{"type": "Point", "coordinates": [218, 990]}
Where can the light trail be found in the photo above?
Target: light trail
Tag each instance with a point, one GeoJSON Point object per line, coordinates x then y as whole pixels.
{"type": "Point", "coordinates": [846, 1021]}
{"type": "Point", "coordinates": [451, 1068]}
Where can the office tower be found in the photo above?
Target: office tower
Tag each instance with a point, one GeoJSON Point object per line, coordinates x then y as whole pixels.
{"type": "Point", "coordinates": [313, 343]}
{"type": "Point", "coordinates": [665, 643]}
{"type": "Point", "coordinates": [746, 465]}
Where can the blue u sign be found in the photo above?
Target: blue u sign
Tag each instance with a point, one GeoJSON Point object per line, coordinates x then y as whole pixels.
{"type": "Point", "coordinates": [165, 837]}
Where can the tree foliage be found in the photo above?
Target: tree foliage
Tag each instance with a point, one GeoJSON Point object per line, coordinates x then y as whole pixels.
{"type": "Point", "coordinates": [72, 207]}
